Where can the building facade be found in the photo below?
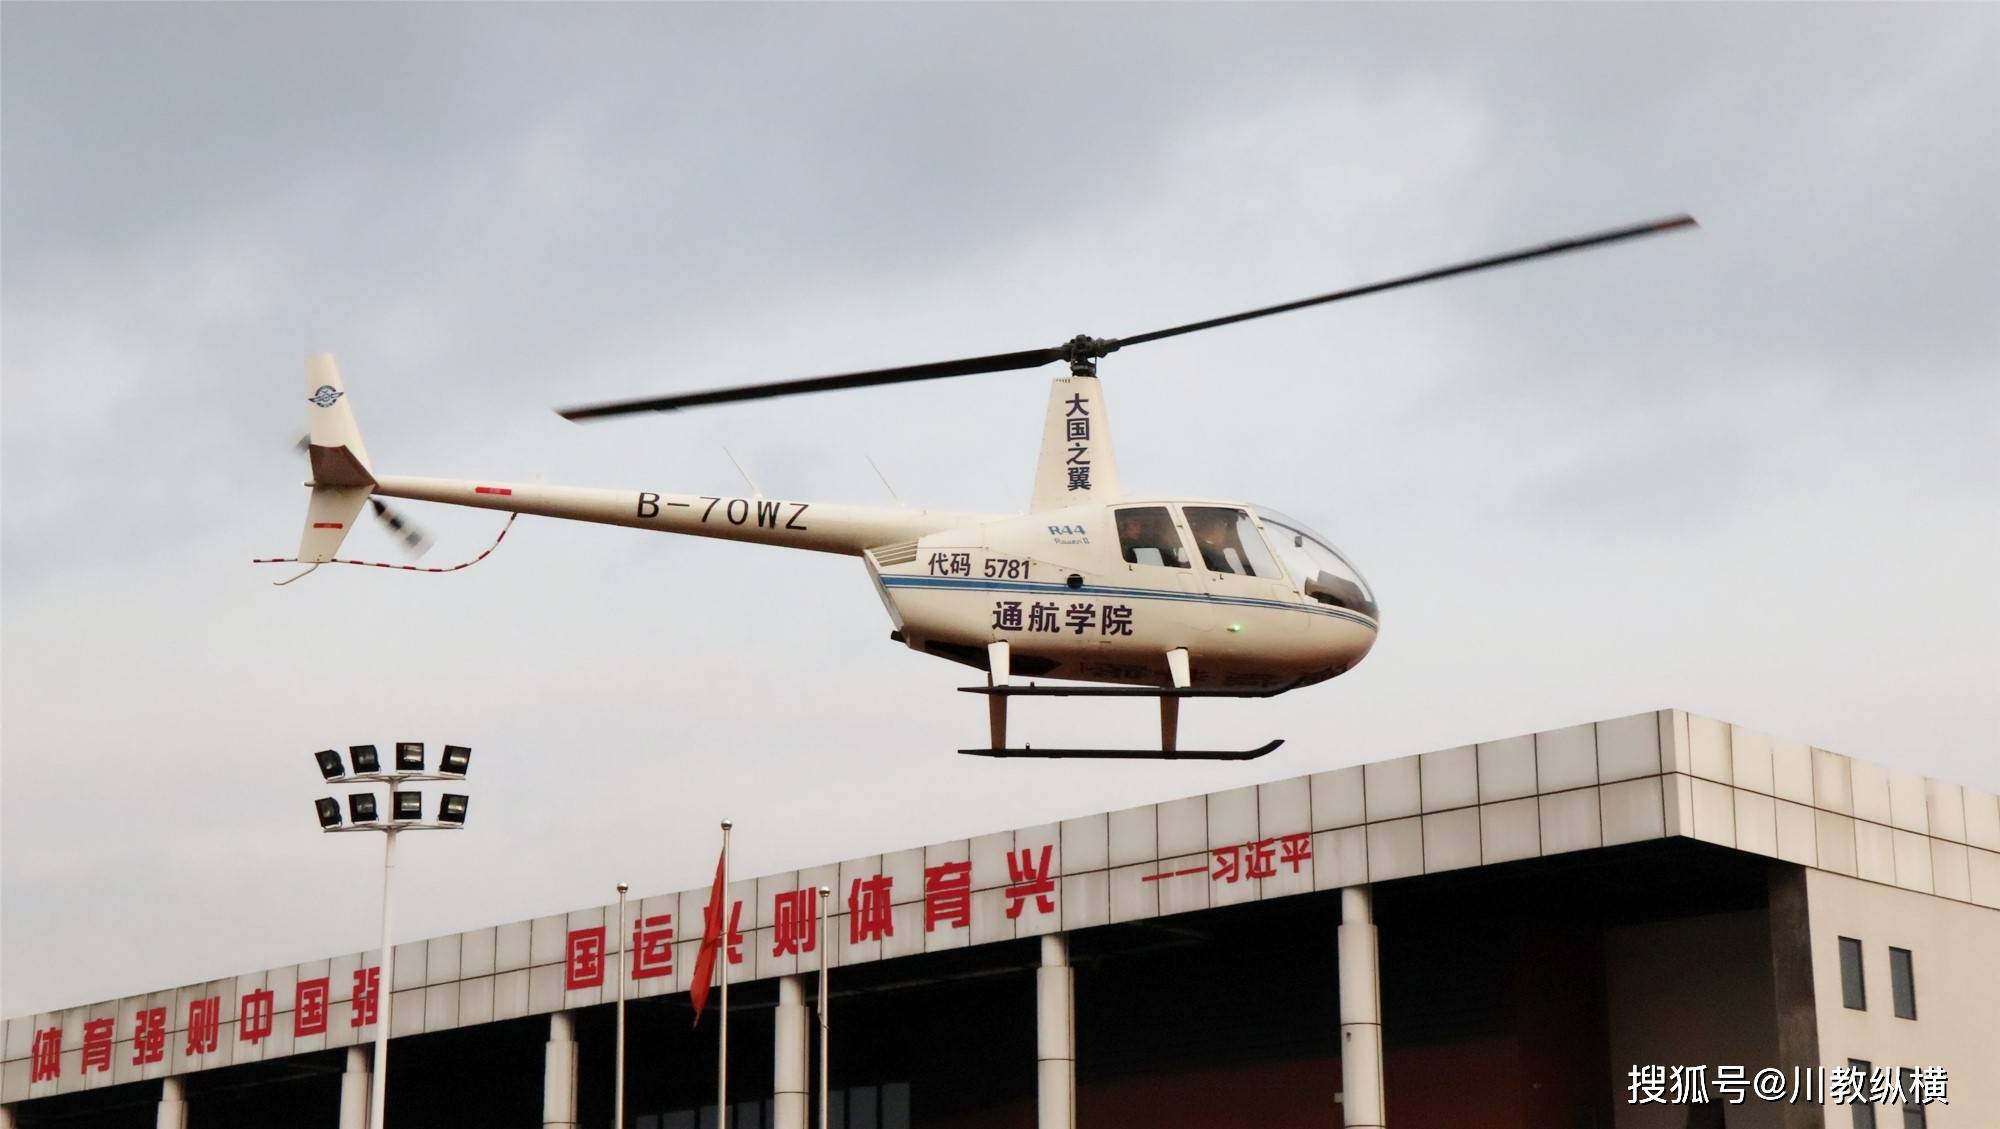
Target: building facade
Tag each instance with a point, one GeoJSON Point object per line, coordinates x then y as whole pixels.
{"type": "Point", "coordinates": [1648, 922]}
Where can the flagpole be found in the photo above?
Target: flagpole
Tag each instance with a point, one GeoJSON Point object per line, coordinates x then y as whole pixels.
{"type": "Point", "coordinates": [722, 1057]}
{"type": "Point", "coordinates": [618, 1083]}
{"type": "Point", "coordinates": [825, 957]}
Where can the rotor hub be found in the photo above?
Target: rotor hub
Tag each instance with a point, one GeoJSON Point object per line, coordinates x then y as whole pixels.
{"type": "Point", "coordinates": [1083, 351]}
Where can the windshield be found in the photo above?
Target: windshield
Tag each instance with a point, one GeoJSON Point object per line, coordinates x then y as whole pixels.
{"type": "Point", "coordinates": [1318, 570]}
{"type": "Point", "coordinates": [1228, 541]}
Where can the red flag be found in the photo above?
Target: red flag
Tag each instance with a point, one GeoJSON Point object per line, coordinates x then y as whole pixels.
{"type": "Point", "coordinates": [711, 940]}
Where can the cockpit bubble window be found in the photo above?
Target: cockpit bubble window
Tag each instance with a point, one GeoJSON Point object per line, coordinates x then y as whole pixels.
{"type": "Point", "coordinates": [1147, 536]}
{"type": "Point", "coordinates": [1318, 570]}
{"type": "Point", "coordinates": [1229, 541]}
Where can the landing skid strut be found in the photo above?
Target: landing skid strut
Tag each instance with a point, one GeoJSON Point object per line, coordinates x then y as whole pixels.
{"type": "Point", "coordinates": [998, 692]}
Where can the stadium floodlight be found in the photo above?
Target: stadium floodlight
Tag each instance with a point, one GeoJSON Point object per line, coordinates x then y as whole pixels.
{"type": "Point", "coordinates": [409, 756]}
{"type": "Point", "coordinates": [330, 766]}
{"type": "Point", "coordinates": [409, 805]}
{"type": "Point", "coordinates": [405, 813]}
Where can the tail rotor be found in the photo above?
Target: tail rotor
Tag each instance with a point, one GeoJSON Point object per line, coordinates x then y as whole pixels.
{"type": "Point", "coordinates": [413, 539]}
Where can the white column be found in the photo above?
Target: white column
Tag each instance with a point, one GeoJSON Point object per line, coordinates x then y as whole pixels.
{"type": "Point", "coordinates": [354, 1090]}
{"type": "Point", "coordinates": [1055, 1036]}
{"type": "Point", "coordinates": [173, 1105]}
{"type": "Point", "coordinates": [788, 1066]}
{"type": "Point", "coordinates": [559, 1074]}
{"type": "Point", "coordinates": [1360, 1012]}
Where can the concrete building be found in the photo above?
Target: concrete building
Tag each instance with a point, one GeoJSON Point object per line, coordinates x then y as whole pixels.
{"type": "Point", "coordinates": [1551, 930]}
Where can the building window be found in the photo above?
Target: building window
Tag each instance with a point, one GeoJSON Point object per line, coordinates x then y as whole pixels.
{"type": "Point", "coordinates": [1864, 1114]}
{"type": "Point", "coordinates": [1913, 1113]}
{"type": "Point", "coordinates": [1853, 992]}
{"type": "Point", "coordinates": [1902, 984]}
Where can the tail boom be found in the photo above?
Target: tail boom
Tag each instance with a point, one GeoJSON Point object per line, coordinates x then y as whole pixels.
{"type": "Point", "coordinates": [848, 530]}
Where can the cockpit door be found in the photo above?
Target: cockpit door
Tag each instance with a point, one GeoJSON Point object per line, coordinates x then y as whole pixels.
{"type": "Point", "coordinates": [1238, 568]}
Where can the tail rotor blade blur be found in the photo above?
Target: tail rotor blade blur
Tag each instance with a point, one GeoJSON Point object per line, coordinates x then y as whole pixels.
{"type": "Point", "coordinates": [415, 541]}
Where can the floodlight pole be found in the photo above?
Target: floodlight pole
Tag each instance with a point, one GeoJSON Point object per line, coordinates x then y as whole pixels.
{"type": "Point", "coordinates": [378, 1092]}
{"type": "Point", "coordinates": [378, 1089]}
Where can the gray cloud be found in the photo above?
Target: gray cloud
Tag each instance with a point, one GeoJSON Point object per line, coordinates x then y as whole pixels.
{"type": "Point", "coordinates": [1748, 470]}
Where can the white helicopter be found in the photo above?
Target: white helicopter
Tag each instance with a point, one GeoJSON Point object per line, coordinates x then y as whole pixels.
{"type": "Point", "coordinates": [1168, 598]}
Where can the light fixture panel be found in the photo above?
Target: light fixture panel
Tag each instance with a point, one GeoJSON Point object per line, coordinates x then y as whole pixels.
{"type": "Point", "coordinates": [330, 765]}
{"type": "Point", "coordinates": [409, 805]}
{"type": "Point", "coordinates": [455, 760]}
{"type": "Point", "coordinates": [364, 758]}
{"type": "Point", "coordinates": [451, 808]}
{"type": "Point", "coordinates": [329, 812]}
{"type": "Point", "coordinates": [409, 756]}
{"type": "Point", "coordinates": [361, 807]}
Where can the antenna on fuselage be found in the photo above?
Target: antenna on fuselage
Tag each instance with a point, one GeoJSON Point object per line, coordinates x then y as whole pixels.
{"type": "Point", "coordinates": [755, 492]}
{"type": "Point", "coordinates": [885, 480]}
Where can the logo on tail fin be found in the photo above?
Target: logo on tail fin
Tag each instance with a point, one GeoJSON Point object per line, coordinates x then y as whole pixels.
{"type": "Point", "coordinates": [325, 395]}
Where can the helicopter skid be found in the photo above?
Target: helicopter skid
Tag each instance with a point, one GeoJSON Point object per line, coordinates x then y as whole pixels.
{"type": "Point", "coordinates": [1131, 754]}
{"type": "Point", "coordinates": [1170, 701]}
{"type": "Point", "coordinates": [1033, 691]}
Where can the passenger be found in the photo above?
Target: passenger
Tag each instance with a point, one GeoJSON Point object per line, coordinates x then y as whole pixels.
{"type": "Point", "coordinates": [1131, 531]}
{"type": "Point", "coordinates": [1147, 537]}
{"type": "Point", "coordinates": [1213, 535]}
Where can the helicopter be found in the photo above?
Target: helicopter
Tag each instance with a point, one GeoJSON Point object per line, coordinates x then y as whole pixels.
{"type": "Point", "coordinates": [1107, 594]}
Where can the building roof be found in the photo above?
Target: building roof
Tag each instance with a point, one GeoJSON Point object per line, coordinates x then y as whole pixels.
{"type": "Point", "coordinates": [1650, 776]}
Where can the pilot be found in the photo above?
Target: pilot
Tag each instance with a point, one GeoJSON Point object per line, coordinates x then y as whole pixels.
{"type": "Point", "coordinates": [1139, 537]}
{"type": "Point", "coordinates": [1211, 536]}
{"type": "Point", "coordinates": [1131, 531]}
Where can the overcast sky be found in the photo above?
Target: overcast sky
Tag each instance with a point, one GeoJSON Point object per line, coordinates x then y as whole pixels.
{"type": "Point", "coordinates": [1749, 471]}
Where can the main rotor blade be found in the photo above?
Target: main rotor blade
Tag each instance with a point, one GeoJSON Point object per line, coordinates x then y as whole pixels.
{"type": "Point", "coordinates": [998, 362]}
{"type": "Point", "coordinates": [1597, 239]}
{"type": "Point", "coordinates": [1083, 349]}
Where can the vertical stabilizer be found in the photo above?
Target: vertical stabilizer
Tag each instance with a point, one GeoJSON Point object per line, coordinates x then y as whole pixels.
{"type": "Point", "coordinates": [1076, 465]}
{"type": "Point", "coordinates": [338, 458]}
{"type": "Point", "coordinates": [342, 480]}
